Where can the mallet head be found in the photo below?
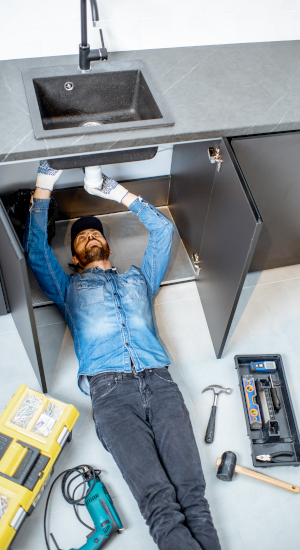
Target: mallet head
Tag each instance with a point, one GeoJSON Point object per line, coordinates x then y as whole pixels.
{"type": "Point", "coordinates": [226, 468]}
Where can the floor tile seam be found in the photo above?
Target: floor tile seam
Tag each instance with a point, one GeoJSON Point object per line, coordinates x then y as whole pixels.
{"type": "Point", "coordinates": [174, 301]}
{"type": "Point", "coordinates": [52, 324]}
{"type": "Point", "coordinates": [272, 282]}
{"type": "Point", "coordinates": [9, 332]}
{"type": "Point", "coordinates": [187, 387]}
{"type": "Point", "coordinates": [41, 514]}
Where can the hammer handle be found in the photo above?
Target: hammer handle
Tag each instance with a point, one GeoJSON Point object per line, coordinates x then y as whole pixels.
{"type": "Point", "coordinates": [262, 477]}
{"type": "Point", "coordinates": [210, 431]}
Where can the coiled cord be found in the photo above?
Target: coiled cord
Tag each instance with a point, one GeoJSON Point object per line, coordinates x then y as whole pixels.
{"type": "Point", "coordinates": [69, 477]}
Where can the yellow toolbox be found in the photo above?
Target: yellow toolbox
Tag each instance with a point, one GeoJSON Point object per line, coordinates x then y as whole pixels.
{"type": "Point", "coordinates": [33, 430]}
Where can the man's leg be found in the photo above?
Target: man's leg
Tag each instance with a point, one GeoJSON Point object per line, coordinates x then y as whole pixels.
{"type": "Point", "coordinates": [179, 456]}
{"type": "Point", "coordinates": [120, 414]}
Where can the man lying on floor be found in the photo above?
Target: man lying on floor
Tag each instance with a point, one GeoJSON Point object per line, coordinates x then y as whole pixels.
{"type": "Point", "coordinates": [139, 412]}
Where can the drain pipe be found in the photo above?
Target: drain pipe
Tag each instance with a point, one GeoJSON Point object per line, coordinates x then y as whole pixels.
{"type": "Point", "coordinates": [93, 176]}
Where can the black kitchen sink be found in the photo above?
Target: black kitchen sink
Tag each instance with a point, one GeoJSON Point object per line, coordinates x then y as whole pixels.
{"type": "Point", "coordinates": [112, 96]}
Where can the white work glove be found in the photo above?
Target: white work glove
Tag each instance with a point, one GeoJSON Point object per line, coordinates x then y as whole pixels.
{"type": "Point", "coordinates": [47, 176]}
{"type": "Point", "coordinates": [107, 189]}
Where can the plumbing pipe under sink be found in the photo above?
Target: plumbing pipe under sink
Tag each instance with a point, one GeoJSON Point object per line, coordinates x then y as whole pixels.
{"type": "Point", "coordinates": [93, 176]}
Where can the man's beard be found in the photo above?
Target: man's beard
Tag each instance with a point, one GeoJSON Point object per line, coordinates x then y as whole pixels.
{"type": "Point", "coordinates": [93, 254]}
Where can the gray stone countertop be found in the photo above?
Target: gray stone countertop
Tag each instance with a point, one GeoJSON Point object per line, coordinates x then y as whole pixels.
{"type": "Point", "coordinates": [211, 91]}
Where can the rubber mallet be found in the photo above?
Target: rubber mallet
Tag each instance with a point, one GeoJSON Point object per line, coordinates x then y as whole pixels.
{"type": "Point", "coordinates": [227, 466]}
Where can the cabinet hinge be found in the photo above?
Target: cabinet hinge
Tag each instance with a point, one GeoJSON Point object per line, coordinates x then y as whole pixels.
{"type": "Point", "coordinates": [215, 157]}
{"type": "Point", "coordinates": [196, 262]}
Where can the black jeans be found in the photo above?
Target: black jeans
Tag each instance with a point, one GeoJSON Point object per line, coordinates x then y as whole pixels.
{"type": "Point", "coordinates": [143, 421]}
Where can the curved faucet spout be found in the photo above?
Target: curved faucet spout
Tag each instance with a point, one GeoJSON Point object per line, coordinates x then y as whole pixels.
{"type": "Point", "coordinates": [95, 13]}
{"type": "Point", "coordinates": [86, 55]}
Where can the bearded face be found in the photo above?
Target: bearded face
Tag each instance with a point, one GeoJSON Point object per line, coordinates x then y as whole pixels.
{"type": "Point", "coordinates": [92, 250]}
{"type": "Point", "coordinates": [92, 254]}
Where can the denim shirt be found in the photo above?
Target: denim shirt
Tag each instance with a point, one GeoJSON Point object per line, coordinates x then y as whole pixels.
{"type": "Point", "coordinates": [109, 313]}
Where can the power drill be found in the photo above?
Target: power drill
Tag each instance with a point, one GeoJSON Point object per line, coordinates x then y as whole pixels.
{"type": "Point", "coordinates": [98, 502]}
{"type": "Point", "coordinates": [102, 512]}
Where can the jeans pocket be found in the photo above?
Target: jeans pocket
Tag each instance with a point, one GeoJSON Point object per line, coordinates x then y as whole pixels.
{"type": "Point", "coordinates": [163, 374]}
{"type": "Point", "coordinates": [102, 388]}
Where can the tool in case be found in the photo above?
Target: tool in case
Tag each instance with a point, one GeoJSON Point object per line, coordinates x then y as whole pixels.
{"type": "Point", "coordinates": [33, 430]}
{"type": "Point", "coordinates": [252, 406]}
{"type": "Point", "coordinates": [263, 366]}
{"type": "Point", "coordinates": [270, 418]}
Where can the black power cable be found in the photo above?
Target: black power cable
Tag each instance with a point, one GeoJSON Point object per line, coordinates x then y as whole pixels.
{"type": "Point", "coordinates": [69, 476]}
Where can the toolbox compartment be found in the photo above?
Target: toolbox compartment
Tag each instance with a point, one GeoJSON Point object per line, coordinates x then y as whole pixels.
{"type": "Point", "coordinates": [33, 430]}
{"type": "Point", "coordinates": [286, 438]}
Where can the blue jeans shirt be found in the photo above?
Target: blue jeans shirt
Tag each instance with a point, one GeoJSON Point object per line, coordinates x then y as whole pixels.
{"type": "Point", "coordinates": [109, 313]}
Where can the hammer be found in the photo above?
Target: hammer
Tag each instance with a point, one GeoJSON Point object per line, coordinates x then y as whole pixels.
{"type": "Point", "coordinates": [227, 466]}
{"type": "Point", "coordinates": [210, 431]}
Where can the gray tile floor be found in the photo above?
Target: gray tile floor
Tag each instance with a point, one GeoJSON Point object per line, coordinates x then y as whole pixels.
{"type": "Point", "coordinates": [247, 513]}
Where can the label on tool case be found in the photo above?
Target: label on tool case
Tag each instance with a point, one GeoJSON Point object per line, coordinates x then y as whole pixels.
{"type": "Point", "coordinates": [252, 406]}
{"type": "Point", "coordinates": [44, 425]}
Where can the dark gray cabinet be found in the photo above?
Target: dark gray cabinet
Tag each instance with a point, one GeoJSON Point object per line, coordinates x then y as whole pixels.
{"type": "Point", "coordinates": [14, 272]}
{"type": "Point", "coordinates": [271, 166]}
{"type": "Point", "coordinates": [3, 298]}
{"type": "Point", "coordinates": [218, 219]}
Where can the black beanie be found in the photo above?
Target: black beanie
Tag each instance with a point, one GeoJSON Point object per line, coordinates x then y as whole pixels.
{"type": "Point", "coordinates": [87, 222]}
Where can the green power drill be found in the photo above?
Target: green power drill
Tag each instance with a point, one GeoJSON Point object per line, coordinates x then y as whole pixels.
{"type": "Point", "coordinates": [97, 501]}
{"type": "Point", "coordinates": [102, 512]}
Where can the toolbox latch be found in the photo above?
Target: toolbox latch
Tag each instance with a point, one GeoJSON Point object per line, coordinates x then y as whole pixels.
{"type": "Point", "coordinates": [63, 436]}
{"type": "Point", "coordinates": [18, 519]}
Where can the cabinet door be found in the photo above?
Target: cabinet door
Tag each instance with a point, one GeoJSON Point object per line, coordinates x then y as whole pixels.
{"type": "Point", "coordinates": [14, 272]}
{"type": "Point", "coordinates": [271, 166]}
{"type": "Point", "coordinates": [191, 182]}
{"type": "Point", "coordinates": [228, 229]}
{"type": "Point", "coordinates": [3, 298]}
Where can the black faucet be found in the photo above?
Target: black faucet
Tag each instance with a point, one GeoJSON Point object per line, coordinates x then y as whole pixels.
{"type": "Point", "coordinates": [86, 55]}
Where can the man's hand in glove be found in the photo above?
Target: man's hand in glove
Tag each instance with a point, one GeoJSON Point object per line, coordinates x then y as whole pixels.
{"type": "Point", "coordinates": [45, 181]}
{"type": "Point", "coordinates": [111, 189]}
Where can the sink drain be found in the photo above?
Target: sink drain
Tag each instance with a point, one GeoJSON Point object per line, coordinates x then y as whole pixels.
{"type": "Point", "coordinates": [91, 123]}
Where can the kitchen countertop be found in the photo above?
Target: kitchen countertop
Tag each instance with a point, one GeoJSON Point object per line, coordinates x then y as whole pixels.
{"type": "Point", "coordinates": [211, 91]}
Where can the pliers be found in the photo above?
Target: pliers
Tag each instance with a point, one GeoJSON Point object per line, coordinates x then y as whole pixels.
{"type": "Point", "coordinates": [273, 456]}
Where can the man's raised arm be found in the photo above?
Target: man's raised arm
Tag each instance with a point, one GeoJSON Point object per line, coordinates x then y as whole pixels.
{"type": "Point", "coordinates": [157, 255]}
{"type": "Point", "coordinates": [49, 273]}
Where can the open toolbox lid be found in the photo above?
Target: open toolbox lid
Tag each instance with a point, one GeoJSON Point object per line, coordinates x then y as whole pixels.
{"type": "Point", "coordinates": [275, 431]}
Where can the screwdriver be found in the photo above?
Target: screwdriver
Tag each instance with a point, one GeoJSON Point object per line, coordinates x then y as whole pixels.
{"type": "Point", "coordinates": [274, 394]}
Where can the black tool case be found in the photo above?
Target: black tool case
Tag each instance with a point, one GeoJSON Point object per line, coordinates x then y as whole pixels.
{"type": "Point", "coordinates": [264, 441]}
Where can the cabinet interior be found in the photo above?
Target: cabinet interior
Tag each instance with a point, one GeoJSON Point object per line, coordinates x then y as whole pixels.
{"type": "Point", "coordinates": [127, 236]}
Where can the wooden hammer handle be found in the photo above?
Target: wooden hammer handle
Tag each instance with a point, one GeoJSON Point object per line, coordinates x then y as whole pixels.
{"type": "Point", "coordinates": [262, 477]}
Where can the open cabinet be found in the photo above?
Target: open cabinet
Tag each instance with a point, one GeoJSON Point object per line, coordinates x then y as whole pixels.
{"type": "Point", "coordinates": [218, 225]}
{"type": "Point", "coordinates": [219, 221]}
